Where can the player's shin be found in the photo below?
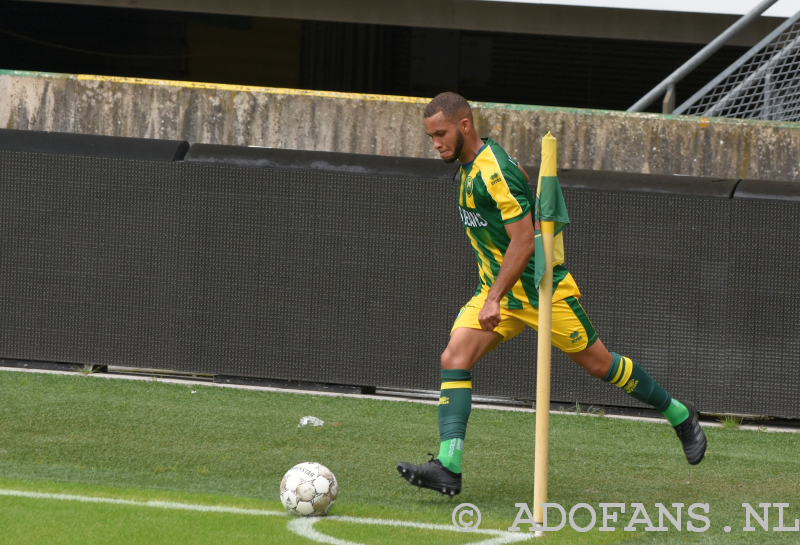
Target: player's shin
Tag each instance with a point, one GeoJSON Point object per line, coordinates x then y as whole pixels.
{"type": "Point", "coordinates": [628, 375]}
{"type": "Point", "coordinates": [455, 405]}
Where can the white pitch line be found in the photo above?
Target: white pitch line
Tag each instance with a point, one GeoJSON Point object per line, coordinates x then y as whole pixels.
{"type": "Point", "coordinates": [303, 527]}
{"type": "Point", "coordinates": [404, 524]}
{"type": "Point", "coordinates": [155, 504]}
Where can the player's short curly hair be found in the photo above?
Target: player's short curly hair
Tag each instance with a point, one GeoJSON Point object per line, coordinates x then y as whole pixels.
{"type": "Point", "coordinates": [453, 106]}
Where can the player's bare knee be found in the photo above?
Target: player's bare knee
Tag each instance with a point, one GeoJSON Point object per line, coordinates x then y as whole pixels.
{"type": "Point", "coordinates": [451, 360]}
{"type": "Point", "coordinates": [447, 359]}
{"type": "Point", "coordinates": [594, 364]}
{"type": "Point", "coordinates": [595, 368]}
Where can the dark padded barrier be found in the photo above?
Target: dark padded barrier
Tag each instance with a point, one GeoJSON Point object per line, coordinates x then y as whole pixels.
{"type": "Point", "coordinates": [649, 253]}
{"type": "Point", "coordinates": [763, 190]}
{"type": "Point", "coordinates": [323, 274]}
{"type": "Point", "coordinates": [763, 367]}
{"type": "Point", "coordinates": [238, 271]}
{"type": "Point", "coordinates": [93, 145]}
{"type": "Point", "coordinates": [652, 269]}
{"type": "Point", "coordinates": [649, 184]}
{"type": "Point", "coordinates": [345, 163]}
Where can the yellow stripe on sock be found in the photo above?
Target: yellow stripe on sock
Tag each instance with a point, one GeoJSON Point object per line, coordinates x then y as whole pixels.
{"type": "Point", "coordinates": [620, 367]}
{"type": "Point", "coordinates": [457, 384]}
{"type": "Point", "coordinates": [626, 374]}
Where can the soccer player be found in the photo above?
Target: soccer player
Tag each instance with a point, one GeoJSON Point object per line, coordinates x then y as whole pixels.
{"type": "Point", "coordinates": [495, 203]}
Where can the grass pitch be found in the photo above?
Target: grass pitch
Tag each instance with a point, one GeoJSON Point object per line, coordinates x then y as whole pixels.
{"type": "Point", "coordinates": [95, 437]}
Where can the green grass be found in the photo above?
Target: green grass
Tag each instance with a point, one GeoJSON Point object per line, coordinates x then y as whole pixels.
{"type": "Point", "coordinates": [48, 521]}
{"type": "Point", "coordinates": [730, 421]}
{"type": "Point", "coordinates": [143, 441]}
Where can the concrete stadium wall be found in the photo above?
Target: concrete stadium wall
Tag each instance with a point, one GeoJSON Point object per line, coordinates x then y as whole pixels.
{"type": "Point", "coordinates": [387, 125]}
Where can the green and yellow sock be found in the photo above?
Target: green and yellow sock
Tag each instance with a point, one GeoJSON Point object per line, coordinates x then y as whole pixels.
{"type": "Point", "coordinates": [627, 374]}
{"type": "Point", "coordinates": [450, 454]}
{"type": "Point", "coordinates": [455, 405]}
{"type": "Point", "coordinates": [676, 413]}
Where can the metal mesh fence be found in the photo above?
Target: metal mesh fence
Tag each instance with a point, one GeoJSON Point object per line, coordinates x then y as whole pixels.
{"type": "Point", "coordinates": [763, 84]}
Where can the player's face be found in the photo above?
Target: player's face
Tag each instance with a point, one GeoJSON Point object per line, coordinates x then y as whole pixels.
{"type": "Point", "coordinates": [445, 136]}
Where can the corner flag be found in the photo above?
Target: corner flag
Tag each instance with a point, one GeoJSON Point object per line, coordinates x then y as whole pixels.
{"type": "Point", "coordinates": [550, 219]}
{"type": "Point", "coordinates": [550, 206]}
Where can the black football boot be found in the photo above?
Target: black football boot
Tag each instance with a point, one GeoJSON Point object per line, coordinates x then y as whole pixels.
{"type": "Point", "coordinates": [432, 474]}
{"type": "Point", "coordinates": [692, 437]}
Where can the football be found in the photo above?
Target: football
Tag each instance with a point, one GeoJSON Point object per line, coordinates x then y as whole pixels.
{"type": "Point", "coordinates": [309, 489]}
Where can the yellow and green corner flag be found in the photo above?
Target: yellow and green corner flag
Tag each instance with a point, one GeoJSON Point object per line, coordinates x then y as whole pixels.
{"type": "Point", "coordinates": [550, 206]}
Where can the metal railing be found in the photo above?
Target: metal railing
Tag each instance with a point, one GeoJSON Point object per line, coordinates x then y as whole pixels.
{"type": "Point", "coordinates": [764, 83]}
{"type": "Point", "coordinates": [668, 85]}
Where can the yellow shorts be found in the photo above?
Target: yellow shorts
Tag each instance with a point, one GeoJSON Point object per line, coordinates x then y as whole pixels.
{"type": "Point", "coordinates": [572, 330]}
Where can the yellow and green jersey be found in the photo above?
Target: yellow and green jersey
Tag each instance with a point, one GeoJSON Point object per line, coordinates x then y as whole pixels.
{"type": "Point", "coordinates": [492, 194]}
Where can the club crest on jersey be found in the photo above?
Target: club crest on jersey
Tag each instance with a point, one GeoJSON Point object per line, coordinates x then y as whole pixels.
{"type": "Point", "coordinates": [469, 184]}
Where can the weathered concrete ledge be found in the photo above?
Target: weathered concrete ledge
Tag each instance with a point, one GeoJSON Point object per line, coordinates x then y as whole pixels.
{"type": "Point", "coordinates": [387, 125]}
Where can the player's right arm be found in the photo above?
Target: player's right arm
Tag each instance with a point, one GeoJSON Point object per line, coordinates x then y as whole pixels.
{"type": "Point", "coordinates": [516, 258]}
{"type": "Point", "coordinates": [522, 170]}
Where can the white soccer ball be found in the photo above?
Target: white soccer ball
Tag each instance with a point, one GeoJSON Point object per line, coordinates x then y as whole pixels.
{"type": "Point", "coordinates": [309, 489]}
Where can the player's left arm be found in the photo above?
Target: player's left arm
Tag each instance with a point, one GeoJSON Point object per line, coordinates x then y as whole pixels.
{"type": "Point", "coordinates": [516, 258]}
